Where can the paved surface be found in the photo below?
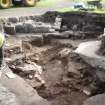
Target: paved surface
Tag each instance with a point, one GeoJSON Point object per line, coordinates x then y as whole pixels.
{"type": "Point", "coordinates": [24, 11]}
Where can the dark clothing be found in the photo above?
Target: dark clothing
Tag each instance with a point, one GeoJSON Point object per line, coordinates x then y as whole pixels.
{"type": "Point", "coordinates": [1, 56]}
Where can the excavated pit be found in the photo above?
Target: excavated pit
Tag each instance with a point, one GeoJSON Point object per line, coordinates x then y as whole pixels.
{"type": "Point", "coordinates": [45, 58]}
{"type": "Point", "coordinates": [64, 74]}
{"type": "Point", "coordinates": [61, 75]}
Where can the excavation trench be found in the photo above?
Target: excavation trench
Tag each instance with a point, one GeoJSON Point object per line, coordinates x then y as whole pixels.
{"type": "Point", "coordinates": [44, 57]}
{"type": "Point", "coordinates": [58, 74]}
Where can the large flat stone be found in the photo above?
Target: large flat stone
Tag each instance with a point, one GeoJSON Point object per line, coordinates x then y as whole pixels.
{"type": "Point", "coordinates": [88, 51]}
{"type": "Point", "coordinates": [58, 35]}
{"type": "Point", "coordinates": [96, 100]}
{"type": "Point", "coordinates": [24, 92]}
{"type": "Point", "coordinates": [10, 29]}
{"type": "Point", "coordinates": [7, 97]}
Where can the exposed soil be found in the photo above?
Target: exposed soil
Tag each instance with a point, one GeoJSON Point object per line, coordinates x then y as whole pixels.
{"type": "Point", "coordinates": [49, 65]}
{"type": "Point", "coordinates": [58, 89]}
{"type": "Point", "coordinates": [63, 76]}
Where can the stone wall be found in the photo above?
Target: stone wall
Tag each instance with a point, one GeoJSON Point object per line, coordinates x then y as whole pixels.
{"type": "Point", "coordinates": [86, 22]}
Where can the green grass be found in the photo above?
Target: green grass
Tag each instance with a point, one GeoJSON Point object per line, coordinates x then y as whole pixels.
{"type": "Point", "coordinates": [68, 9]}
{"type": "Point", "coordinates": [53, 3]}
{"type": "Point", "coordinates": [98, 11]}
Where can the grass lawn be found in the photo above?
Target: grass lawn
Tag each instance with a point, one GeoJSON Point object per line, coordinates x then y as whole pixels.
{"type": "Point", "coordinates": [99, 11]}
{"type": "Point", "coordinates": [68, 9]}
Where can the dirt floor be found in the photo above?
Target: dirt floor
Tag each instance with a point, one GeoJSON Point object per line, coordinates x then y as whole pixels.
{"type": "Point", "coordinates": [58, 91]}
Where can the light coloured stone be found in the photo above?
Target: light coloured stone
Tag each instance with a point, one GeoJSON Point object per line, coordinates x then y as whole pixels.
{"type": "Point", "coordinates": [7, 97]}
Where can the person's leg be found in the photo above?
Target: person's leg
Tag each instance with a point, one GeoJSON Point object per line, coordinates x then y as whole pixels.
{"type": "Point", "coordinates": [1, 56]}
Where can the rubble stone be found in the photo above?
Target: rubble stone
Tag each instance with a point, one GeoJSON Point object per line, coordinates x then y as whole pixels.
{"type": "Point", "coordinates": [10, 29]}
{"type": "Point", "coordinates": [35, 40]}
{"type": "Point", "coordinates": [19, 28]}
{"type": "Point", "coordinates": [29, 69]}
{"type": "Point", "coordinates": [63, 35]}
{"type": "Point", "coordinates": [91, 89]}
{"type": "Point", "coordinates": [87, 91]}
{"type": "Point", "coordinates": [13, 19]}
{"type": "Point", "coordinates": [44, 28]}
{"type": "Point", "coordinates": [58, 22]}
{"type": "Point", "coordinates": [22, 19]}
{"type": "Point", "coordinates": [12, 46]}
{"type": "Point", "coordinates": [64, 52]}
{"type": "Point", "coordinates": [28, 27]}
